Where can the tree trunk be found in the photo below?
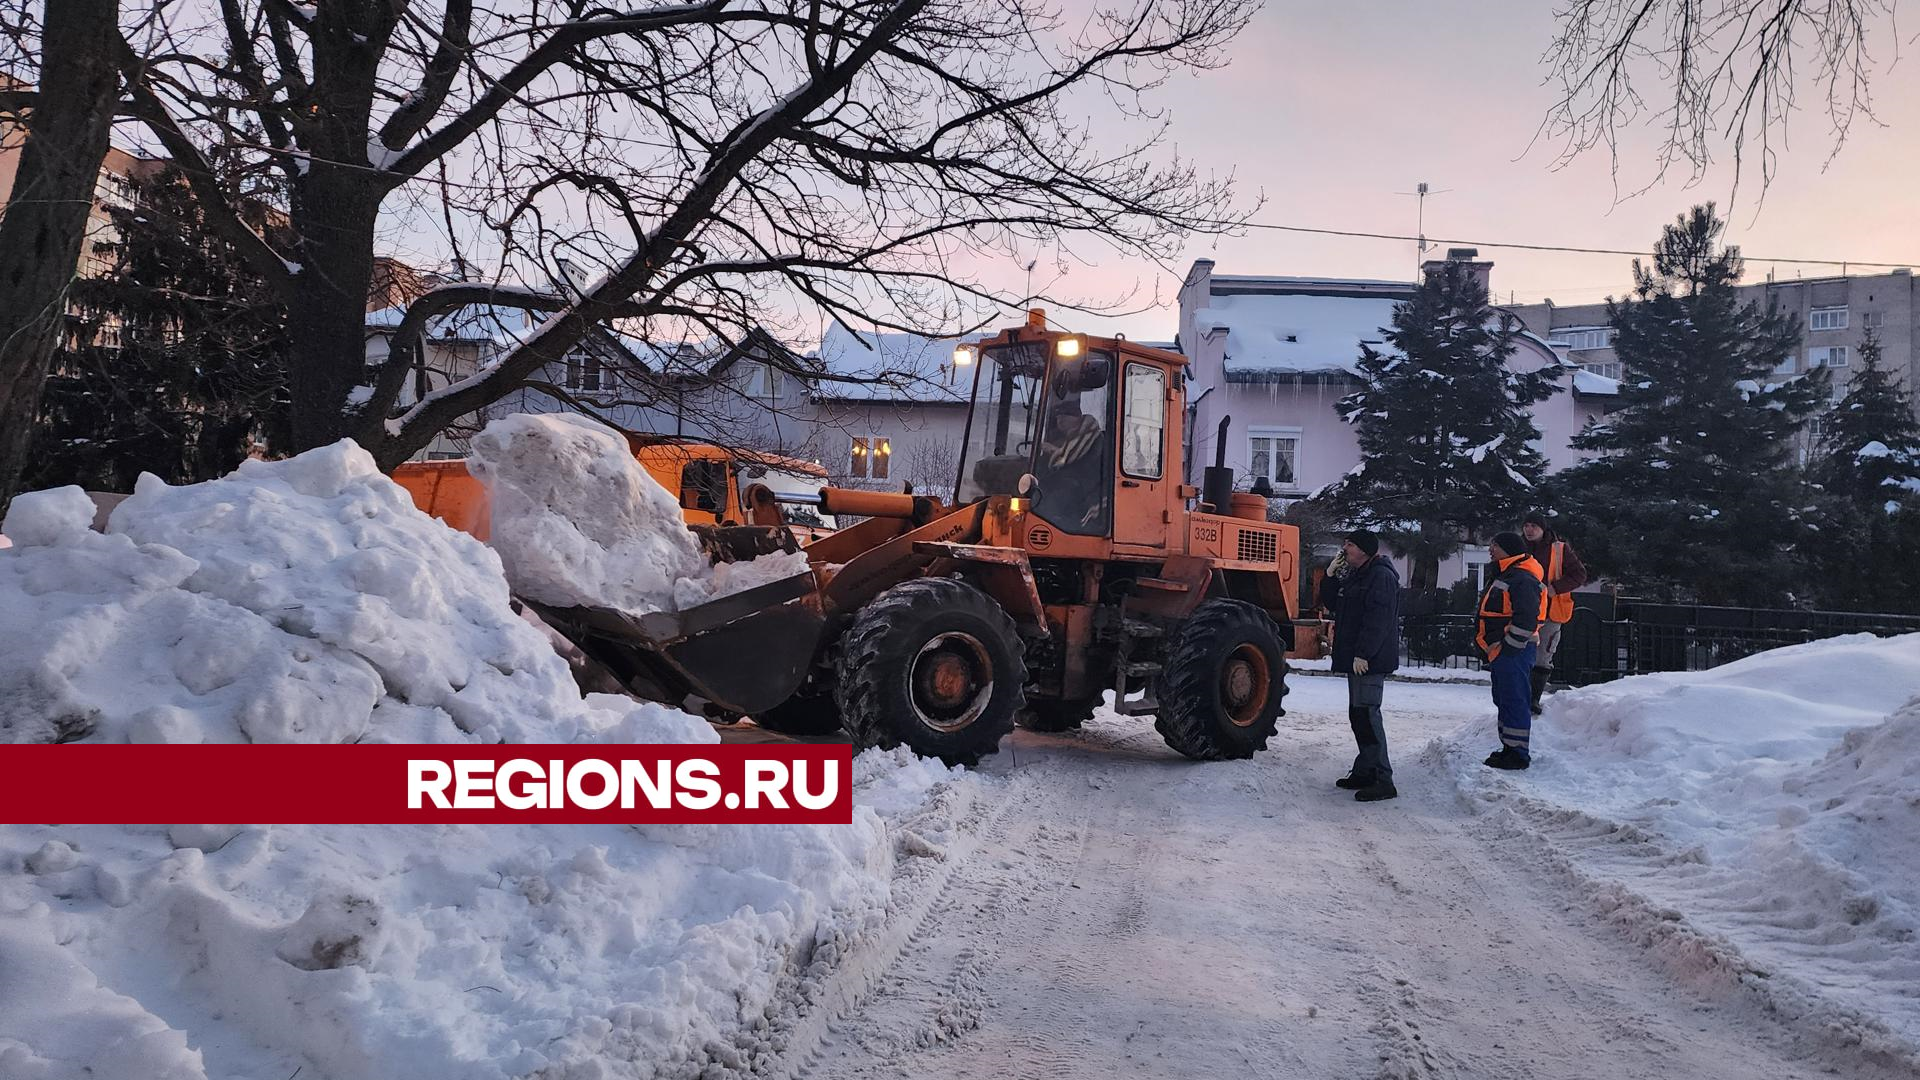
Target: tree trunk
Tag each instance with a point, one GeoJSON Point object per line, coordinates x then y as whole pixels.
{"type": "Point", "coordinates": [327, 310]}
{"type": "Point", "coordinates": [1423, 566]}
{"type": "Point", "coordinates": [46, 216]}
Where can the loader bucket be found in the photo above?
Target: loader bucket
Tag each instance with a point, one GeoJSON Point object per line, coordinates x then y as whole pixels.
{"type": "Point", "coordinates": [746, 653]}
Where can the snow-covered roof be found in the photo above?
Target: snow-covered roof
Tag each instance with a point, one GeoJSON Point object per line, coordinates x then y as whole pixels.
{"type": "Point", "coordinates": [1223, 283]}
{"type": "Point", "coordinates": [1589, 382]}
{"type": "Point", "coordinates": [911, 368]}
{"type": "Point", "coordinates": [475, 322]}
{"type": "Point", "coordinates": [1279, 333]}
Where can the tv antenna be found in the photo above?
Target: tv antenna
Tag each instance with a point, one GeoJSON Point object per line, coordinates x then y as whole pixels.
{"type": "Point", "coordinates": [1421, 191]}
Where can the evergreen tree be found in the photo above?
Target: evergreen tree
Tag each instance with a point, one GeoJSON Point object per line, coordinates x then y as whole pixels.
{"type": "Point", "coordinates": [1868, 557]}
{"type": "Point", "coordinates": [1871, 446]}
{"type": "Point", "coordinates": [1445, 429]}
{"type": "Point", "coordinates": [177, 360]}
{"type": "Point", "coordinates": [1697, 495]}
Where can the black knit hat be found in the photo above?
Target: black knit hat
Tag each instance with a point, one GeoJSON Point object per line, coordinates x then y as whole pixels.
{"type": "Point", "coordinates": [1365, 540]}
{"type": "Point", "coordinates": [1536, 517]}
{"type": "Point", "coordinates": [1511, 543]}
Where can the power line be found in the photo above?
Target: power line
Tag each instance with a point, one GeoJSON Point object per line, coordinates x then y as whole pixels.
{"type": "Point", "coordinates": [1547, 247]}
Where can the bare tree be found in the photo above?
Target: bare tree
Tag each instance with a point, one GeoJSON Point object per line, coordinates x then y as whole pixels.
{"type": "Point", "coordinates": [717, 165]}
{"type": "Point", "coordinates": [47, 211]}
{"type": "Point", "coordinates": [1723, 72]}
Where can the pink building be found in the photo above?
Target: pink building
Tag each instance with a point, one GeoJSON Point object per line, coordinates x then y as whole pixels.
{"type": "Point", "coordinates": [1276, 353]}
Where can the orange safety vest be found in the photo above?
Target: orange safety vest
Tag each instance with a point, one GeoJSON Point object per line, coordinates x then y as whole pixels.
{"type": "Point", "coordinates": [1497, 593]}
{"type": "Point", "coordinates": [1559, 605]}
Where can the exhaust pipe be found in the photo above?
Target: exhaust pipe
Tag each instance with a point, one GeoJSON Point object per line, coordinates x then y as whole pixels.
{"type": "Point", "coordinates": [1216, 485]}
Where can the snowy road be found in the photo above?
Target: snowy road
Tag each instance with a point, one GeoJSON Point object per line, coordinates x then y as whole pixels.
{"type": "Point", "coordinates": [1110, 909]}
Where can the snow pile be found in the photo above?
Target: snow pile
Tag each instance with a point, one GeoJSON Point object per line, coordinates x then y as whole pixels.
{"type": "Point", "coordinates": [579, 522]}
{"type": "Point", "coordinates": [1774, 802]}
{"type": "Point", "coordinates": [430, 952]}
{"type": "Point", "coordinates": [308, 600]}
{"type": "Point", "coordinates": [294, 601]}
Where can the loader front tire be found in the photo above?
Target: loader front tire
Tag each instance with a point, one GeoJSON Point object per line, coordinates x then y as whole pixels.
{"type": "Point", "coordinates": [1221, 686]}
{"type": "Point", "coordinates": [933, 664]}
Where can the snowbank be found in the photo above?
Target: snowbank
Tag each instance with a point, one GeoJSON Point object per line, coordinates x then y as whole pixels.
{"type": "Point", "coordinates": [578, 522]}
{"type": "Point", "coordinates": [308, 600]}
{"type": "Point", "coordinates": [1773, 803]}
{"type": "Point", "coordinates": [293, 601]}
{"type": "Point", "coordinates": [429, 952]}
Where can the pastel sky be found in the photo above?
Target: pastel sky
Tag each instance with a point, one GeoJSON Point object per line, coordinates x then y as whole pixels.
{"type": "Point", "coordinates": [1328, 110]}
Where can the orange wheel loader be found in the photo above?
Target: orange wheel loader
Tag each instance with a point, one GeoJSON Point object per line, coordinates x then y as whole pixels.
{"type": "Point", "coordinates": [1075, 560]}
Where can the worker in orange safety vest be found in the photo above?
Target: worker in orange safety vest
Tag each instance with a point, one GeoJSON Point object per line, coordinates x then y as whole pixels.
{"type": "Point", "coordinates": [1511, 611]}
{"type": "Point", "coordinates": [1564, 573]}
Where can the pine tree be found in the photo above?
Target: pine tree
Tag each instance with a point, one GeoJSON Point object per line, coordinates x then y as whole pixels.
{"type": "Point", "coordinates": [1445, 429]}
{"type": "Point", "coordinates": [176, 363]}
{"type": "Point", "coordinates": [1869, 558]}
{"type": "Point", "coordinates": [1697, 495]}
{"type": "Point", "coordinates": [1871, 446]}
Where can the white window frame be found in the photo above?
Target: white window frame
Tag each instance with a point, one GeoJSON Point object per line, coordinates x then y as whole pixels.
{"type": "Point", "coordinates": [870, 457]}
{"type": "Point", "coordinates": [1584, 338]}
{"type": "Point", "coordinates": [586, 373]}
{"type": "Point", "coordinates": [1609, 369]}
{"type": "Point", "coordinates": [1827, 318]}
{"type": "Point", "coordinates": [1824, 356]}
{"type": "Point", "coordinates": [1788, 364]}
{"type": "Point", "coordinates": [1873, 320]}
{"type": "Point", "coordinates": [762, 380]}
{"type": "Point", "coordinates": [1272, 432]}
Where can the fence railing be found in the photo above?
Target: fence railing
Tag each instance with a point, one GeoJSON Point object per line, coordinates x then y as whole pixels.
{"type": "Point", "coordinates": [1607, 638]}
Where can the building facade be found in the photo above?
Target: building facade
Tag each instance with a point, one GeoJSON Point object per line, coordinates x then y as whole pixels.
{"type": "Point", "coordinates": [1275, 354]}
{"type": "Point", "coordinates": [1835, 314]}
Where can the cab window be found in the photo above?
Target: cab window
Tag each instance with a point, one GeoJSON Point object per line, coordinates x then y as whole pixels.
{"type": "Point", "coordinates": [1145, 421]}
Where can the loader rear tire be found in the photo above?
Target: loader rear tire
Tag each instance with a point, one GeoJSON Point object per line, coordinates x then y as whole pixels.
{"type": "Point", "coordinates": [934, 664]}
{"type": "Point", "coordinates": [1058, 715]}
{"type": "Point", "coordinates": [1223, 679]}
{"type": "Point", "coordinates": [802, 714]}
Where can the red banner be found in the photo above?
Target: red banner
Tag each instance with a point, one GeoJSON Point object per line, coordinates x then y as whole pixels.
{"type": "Point", "coordinates": [399, 784]}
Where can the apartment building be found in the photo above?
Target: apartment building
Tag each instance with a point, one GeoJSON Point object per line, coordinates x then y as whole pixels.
{"type": "Point", "coordinates": [120, 171]}
{"type": "Point", "coordinates": [1835, 313]}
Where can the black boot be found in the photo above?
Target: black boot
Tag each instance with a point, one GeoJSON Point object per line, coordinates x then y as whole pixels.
{"type": "Point", "coordinates": [1539, 686]}
{"type": "Point", "coordinates": [1376, 792]}
{"type": "Point", "coordinates": [1508, 758]}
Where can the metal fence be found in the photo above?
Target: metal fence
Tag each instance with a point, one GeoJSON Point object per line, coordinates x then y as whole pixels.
{"type": "Point", "coordinates": [1608, 638]}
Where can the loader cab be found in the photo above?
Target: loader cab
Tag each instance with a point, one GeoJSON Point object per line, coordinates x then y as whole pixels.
{"type": "Point", "coordinates": [1090, 420]}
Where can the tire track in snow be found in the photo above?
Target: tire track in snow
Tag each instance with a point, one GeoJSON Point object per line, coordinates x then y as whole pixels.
{"type": "Point", "coordinates": [1135, 914]}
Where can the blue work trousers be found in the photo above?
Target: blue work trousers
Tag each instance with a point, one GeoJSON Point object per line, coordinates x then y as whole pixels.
{"type": "Point", "coordinates": [1513, 696]}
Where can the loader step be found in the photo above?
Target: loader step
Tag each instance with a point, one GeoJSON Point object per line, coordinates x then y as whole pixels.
{"type": "Point", "coordinates": [1140, 706]}
{"type": "Point", "coordinates": [1141, 669]}
{"type": "Point", "coordinates": [1162, 584]}
{"type": "Point", "coordinates": [1140, 628]}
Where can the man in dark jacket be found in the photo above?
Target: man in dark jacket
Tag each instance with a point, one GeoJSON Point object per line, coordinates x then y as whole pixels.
{"type": "Point", "coordinates": [1364, 597]}
{"type": "Point", "coordinates": [1564, 573]}
{"type": "Point", "coordinates": [1510, 613]}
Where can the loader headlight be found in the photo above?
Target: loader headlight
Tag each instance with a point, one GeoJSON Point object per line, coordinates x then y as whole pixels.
{"type": "Point", "coordinates": [1068, 347]}
{"type": "Point", "coordinates": [964, 356]}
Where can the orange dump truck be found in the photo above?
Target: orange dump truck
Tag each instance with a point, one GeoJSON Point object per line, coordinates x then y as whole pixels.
{"type": "Point", "coordinates": [710, 481]}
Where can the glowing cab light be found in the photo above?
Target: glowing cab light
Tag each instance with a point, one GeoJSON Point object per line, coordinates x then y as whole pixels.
{"type": "Point", "coordinates": [963, 356]}
{"type": "Point", "coordinates": [1067, 348]}
{"type": "Point", "coordinates": [1017, 505]}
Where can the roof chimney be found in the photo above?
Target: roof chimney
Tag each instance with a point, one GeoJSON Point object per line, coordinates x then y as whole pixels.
{"type": "Point", "coordinates": [1466, 257]}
